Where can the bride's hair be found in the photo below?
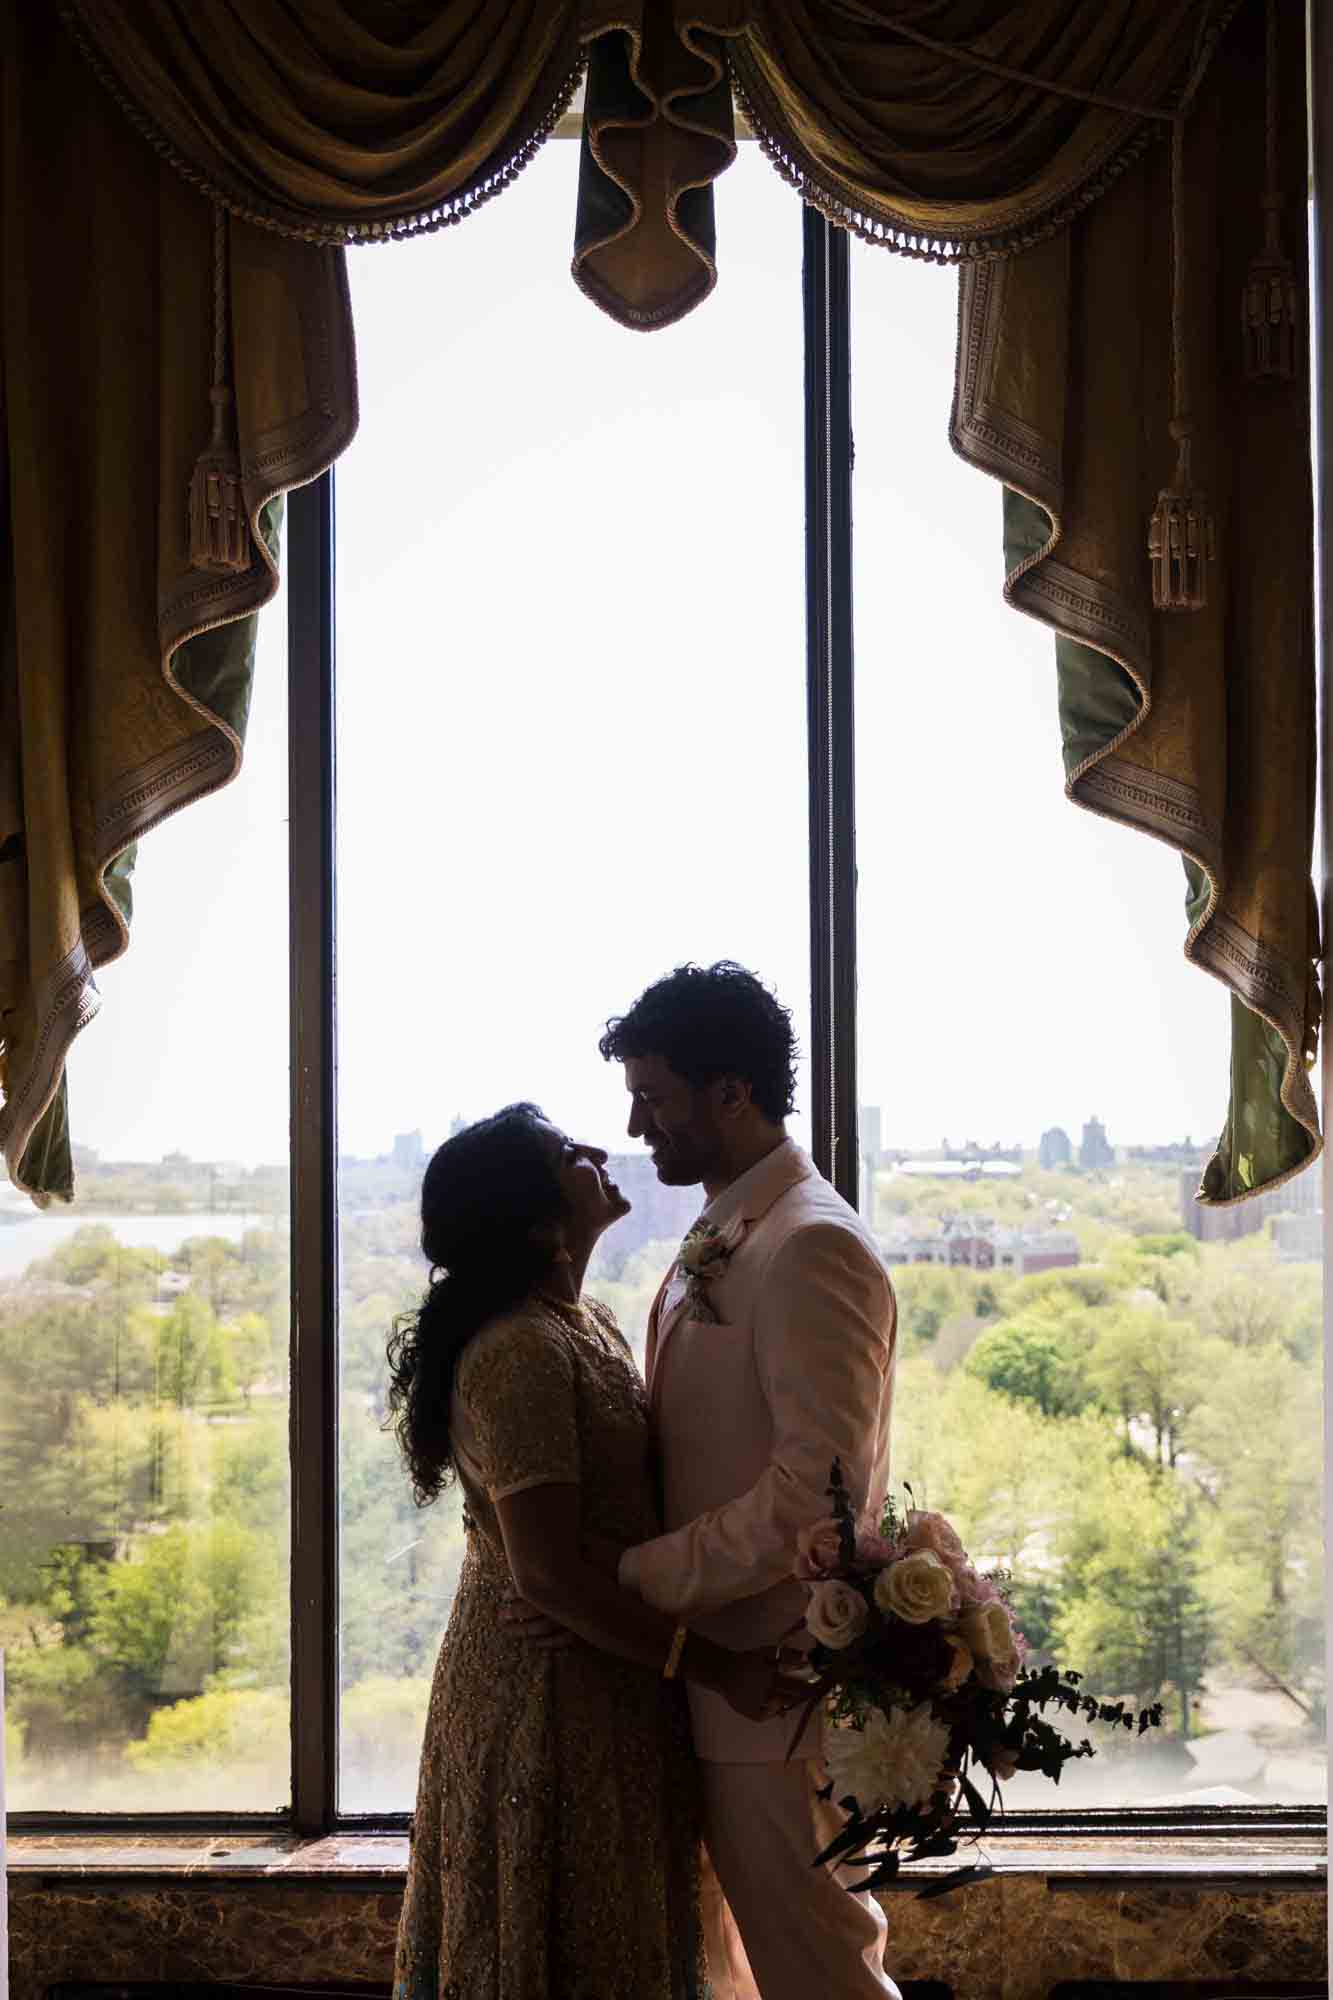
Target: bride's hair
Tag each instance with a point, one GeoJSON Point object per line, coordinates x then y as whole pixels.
{"type": "Point", "coordinates": [484, 1194]}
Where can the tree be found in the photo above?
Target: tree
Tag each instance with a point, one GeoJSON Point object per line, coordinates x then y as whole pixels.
{"type": "Point", "coordinates": [1257, 1443]}
{"type": "Point", "coordinates": [1150, 1368]}
{"type": "Point", "coordinates": [168, 1619]}
{"type": "Point", "coordinates": [1133, 1614]}
{"type": "Point", "coordinates": [1038, 1359]}
{"type": "Point", "coordinates": [192, 1363]}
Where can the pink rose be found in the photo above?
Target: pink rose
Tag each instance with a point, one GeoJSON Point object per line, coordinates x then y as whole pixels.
{"type": "Point", "coordinates": [875, 1552]}
{"type": "Point", "coordinates": [973, 1588]}
{"type": "Point", "coordinates": [818, 1550]}
{"type": "Point", "coordinates": [933, 1532]}
{"type": "Point", "coordinates": [836, 1614]}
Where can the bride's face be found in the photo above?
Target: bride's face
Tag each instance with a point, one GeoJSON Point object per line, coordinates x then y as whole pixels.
{"type": "Point", "coordinates": [592, 1199]}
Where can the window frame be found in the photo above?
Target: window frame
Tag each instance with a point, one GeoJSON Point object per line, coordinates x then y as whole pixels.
{"type": "Point", "coordinates": [311, 616]}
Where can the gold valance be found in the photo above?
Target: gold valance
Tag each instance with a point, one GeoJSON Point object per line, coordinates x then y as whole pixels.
{"type": "Point", "coordinates": [230, 150]}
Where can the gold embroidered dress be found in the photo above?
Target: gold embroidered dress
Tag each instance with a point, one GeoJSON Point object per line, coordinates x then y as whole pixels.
{"type": "Point", "coordinates": [555, 1843]}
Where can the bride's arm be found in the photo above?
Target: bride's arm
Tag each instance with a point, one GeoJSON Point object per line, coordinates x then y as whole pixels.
{"type": "Point", "coordinates": [540, 1526]}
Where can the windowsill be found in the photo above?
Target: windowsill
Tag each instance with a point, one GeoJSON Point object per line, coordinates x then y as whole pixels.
{"type": "Point", "coordinates": [379, 1861]}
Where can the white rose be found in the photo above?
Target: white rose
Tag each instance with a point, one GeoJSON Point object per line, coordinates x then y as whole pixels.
{"type": "Point", "coordinates": [960, 1664]}
{"type": "Point", "coordinates": [987, 1631]}
{"type": "Point", "coordinates": [836, 1614]}
{"type": "Point", "coordinates": [917, 1588]}
{"type": "Point", "coordinates": [892, 1760]}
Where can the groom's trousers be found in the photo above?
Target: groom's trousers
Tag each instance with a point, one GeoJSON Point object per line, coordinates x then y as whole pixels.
{"type": "Point", "coordinates": [802, 1935]}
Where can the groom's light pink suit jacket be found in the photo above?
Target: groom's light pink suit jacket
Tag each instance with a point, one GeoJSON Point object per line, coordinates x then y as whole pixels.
{"type": "Point", "coordinates": [750, 1414]}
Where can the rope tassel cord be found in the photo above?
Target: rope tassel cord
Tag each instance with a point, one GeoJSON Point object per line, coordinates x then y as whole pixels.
{"type": "Point", "coordinates": [1269, 302]}
{"type": "Point", "coordinates": [219, 525]}
{"type": "Point", "coordinates": [1181, 534]}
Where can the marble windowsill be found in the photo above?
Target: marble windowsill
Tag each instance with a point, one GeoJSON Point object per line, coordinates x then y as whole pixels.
{"type": "Point", "coordinates": [366, 1860]}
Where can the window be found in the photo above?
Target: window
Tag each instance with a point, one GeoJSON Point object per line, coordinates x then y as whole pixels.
{"type": "Point", "coordinates": [543, 595]}
{"type": "Point", "coordinates": [1085, 1414]}
{"type": "Point", "coordinates": [144, 1347]}
{"type": "Point", "coordinates": [1079, 1358]}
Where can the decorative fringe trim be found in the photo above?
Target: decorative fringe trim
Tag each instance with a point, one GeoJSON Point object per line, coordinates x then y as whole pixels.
{"type": "Point", "coordinates": [333, 235]}
{"type": "Point", "coordinates": [884, 229]}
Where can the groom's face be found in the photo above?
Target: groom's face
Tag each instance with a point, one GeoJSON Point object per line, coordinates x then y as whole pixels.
{"type": "Point", "coordinates": [678, 1123]}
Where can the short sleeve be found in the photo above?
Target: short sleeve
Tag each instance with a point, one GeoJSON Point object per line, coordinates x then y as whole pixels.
{"type": "Point", "coordinates": [515, 1396]}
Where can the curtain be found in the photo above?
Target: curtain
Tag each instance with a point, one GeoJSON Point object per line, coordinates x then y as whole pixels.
{"type": "Point", "coordinates": [124, 671]}
{"type": "Point", "coordinates": [1197, 727]}
{"type": "Point", "coordinates": [1014, 139]}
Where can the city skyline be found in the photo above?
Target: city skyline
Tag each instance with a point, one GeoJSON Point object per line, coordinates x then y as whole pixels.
{"type": "Point", "coordinates": [390, 1154]}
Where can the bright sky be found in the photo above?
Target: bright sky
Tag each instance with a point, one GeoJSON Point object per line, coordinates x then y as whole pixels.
{"type": "Point", "coordinates": [571, 753]}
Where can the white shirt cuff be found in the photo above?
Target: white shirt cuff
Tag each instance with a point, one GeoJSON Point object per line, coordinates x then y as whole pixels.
{"type": "Point", "coordinates": [627, 1570]}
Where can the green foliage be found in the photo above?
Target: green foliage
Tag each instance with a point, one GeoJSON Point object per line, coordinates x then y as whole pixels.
{"type": "Point", "coordinates": [1137, 1439]}
{"type": "Point", "coordinates": [167, 1620]}
{"type": "Point", "coordinates": [1133, 1599]}
{"type": "Point", "coordinates": [235, 1727]}
{"type": "Point", "coordinates": [1038, 1358]}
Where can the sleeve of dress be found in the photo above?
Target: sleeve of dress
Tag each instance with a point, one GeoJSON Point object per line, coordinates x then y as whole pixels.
{"type": "Point", "coordinates": [516, 1395]}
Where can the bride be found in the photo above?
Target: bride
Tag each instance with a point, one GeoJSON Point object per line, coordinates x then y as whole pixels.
{"type": "Point", "coordinates": [555, 1844]}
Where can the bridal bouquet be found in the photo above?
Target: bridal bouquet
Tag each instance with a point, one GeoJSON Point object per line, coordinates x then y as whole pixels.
{"type": "Point", "coordinates": [928, 1704]}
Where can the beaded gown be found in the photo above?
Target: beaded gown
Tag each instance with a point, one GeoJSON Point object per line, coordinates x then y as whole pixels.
{"type": "Point", "coordinates": [555, 1844]}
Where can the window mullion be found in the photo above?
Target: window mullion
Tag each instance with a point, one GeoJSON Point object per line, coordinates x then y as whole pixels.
{"type": "Point", "coordinates": [828, 557]}
{"type": "Point", "coordinates": [314, 1243]}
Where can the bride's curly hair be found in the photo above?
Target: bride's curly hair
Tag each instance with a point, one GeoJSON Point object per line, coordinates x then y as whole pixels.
{"type": "Point", "coordinates": [484, 1194]}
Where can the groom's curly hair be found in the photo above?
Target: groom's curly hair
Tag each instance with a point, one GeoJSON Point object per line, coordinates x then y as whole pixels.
{"type": "Point", "coordinates": [707, 1021]}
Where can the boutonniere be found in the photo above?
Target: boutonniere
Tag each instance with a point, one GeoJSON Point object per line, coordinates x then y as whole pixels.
{"type": "Point", "coordinates": [703, 1256]}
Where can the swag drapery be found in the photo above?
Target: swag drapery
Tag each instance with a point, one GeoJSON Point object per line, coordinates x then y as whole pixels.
{"type": "Point", "coordinates": [1018, 140]}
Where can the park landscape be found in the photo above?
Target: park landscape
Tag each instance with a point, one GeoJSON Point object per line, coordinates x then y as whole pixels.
{"type": "Point", "coordinates": [1134, 1441]}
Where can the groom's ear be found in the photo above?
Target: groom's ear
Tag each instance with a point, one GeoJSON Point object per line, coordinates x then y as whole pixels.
{"type": "Point", "coordinates": [734, 1094]}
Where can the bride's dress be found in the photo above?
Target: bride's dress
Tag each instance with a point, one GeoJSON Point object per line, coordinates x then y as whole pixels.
{"type": "Point", "coordinates": [555, 1844]}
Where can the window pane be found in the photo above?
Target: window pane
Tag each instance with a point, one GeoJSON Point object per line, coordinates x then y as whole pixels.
{"type": "Point", "coordinates": [1079, 1370]}
{"type": "Point", "coordinates": [143, 1343]}
{"type": "Point", "coordinates": [571, 755]}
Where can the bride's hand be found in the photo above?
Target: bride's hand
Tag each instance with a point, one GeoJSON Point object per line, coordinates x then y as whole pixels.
{"type": "Point", "coordinates": [522, 1620]}
{"type": "Point", "coordinates": [603, 1555]}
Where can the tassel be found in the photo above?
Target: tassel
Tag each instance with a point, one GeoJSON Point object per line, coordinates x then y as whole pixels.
{"type": "Point", "coordinates": [219, 529]}
{"type": "Point", "coordinates": [1182, 541]}
{"type": "Point", "coordinates": [219, 524]}
{"type": "Point", "coordinates": [1181, 538]}
{"type": "Point", "coordinates": [1269, 302]}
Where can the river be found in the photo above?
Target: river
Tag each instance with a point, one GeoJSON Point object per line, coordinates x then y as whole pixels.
{"type": "Point", "coordinates": [25, 1239]}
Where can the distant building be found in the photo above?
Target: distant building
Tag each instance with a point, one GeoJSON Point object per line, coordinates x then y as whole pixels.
{"type": "Point", "coordinates": [870, 1137]}
{"type": "Point", "coordinates": [658, 1214]}
{"type": "Point", "coordinates": [975, 1243]}
{"type": "Point", "coordinates": [1180, 1153]}
{"type": "Point", "coordinates": [958, 1168]}
{"type": "Point", "coordinates": [1096, 1149]}
{"type": "Point", "coordinates": [1056, 1148]}
{"type": "Point", "coordinates": [1299, 1197]}
{"type": "Point", "coordinates": [408, 1152]}
{"type": "Point", "coordinates": [1299, 1238]}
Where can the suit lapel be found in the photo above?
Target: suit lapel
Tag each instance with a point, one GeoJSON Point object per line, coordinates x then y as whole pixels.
{"type": "Point", "coordinates": [663, 1321]}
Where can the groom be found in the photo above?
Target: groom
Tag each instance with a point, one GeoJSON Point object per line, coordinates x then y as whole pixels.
{"type": "Point", "coordinates": [766, 1360]}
